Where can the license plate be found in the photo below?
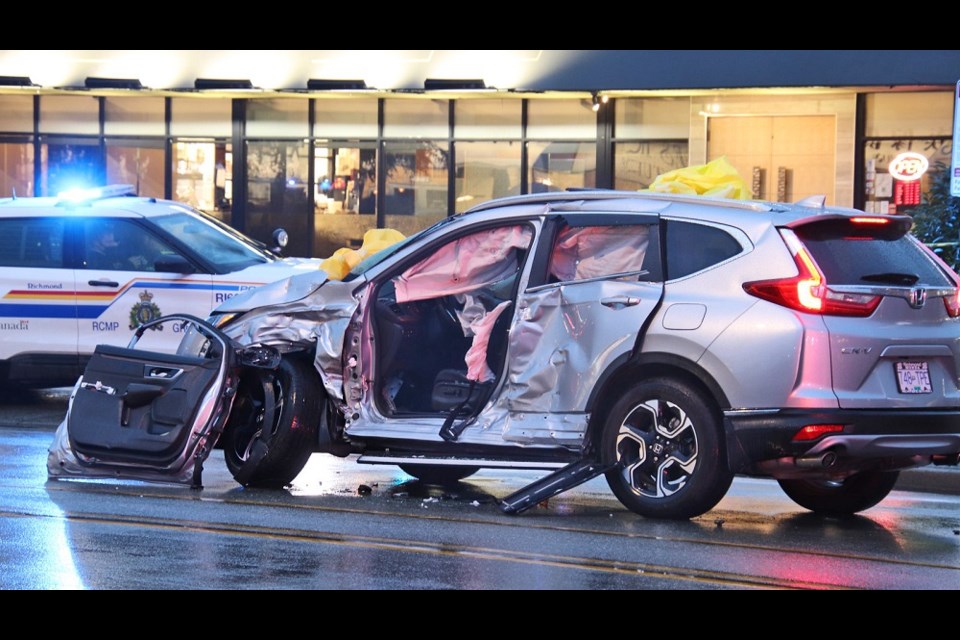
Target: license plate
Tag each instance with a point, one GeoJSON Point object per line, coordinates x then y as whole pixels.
{"type": "Point", "coordinates": [913, 377]}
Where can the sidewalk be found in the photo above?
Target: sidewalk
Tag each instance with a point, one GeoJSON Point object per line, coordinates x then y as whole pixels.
{"type": "Point", "coordinates": [45, 409]}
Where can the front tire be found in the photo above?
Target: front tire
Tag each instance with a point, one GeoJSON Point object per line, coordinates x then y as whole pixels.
{"type": "Point", "coordinates": [666, 438]}
{"type": "Point", "coordinates": [856, 493]}
{"type": "Point", "coordinates": [271, 455]}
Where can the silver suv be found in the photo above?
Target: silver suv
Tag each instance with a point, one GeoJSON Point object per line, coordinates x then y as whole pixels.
{"type": "Point", "coordinates": [668, 342]}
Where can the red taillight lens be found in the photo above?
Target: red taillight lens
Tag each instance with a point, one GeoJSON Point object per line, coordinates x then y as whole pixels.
{"type": "Point", "coordinates": [952, 303]}
{"type": "Point", "coordinates": [807, 291]}
{"type": "Point", "coordinates": [815, 431]}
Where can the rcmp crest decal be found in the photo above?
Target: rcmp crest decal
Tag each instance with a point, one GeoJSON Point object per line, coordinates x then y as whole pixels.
{"type": "Point", "coordinates": [144, 311]}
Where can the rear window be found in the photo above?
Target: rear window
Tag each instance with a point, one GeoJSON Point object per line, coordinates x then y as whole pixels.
{"type": "Point", "coordinates": [870, 261]}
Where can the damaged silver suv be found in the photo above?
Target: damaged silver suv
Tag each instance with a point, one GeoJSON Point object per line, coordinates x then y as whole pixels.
{"type": "Point", "coordinates": [668, 342]}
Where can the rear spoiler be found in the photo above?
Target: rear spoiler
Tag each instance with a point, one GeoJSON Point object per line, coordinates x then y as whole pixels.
{"type": "Point", "coordinates": [886, 227]}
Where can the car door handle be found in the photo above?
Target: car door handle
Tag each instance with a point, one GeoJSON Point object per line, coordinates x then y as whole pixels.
{"type": "Point", "coordinates": [619, 302]}
{"type": "Point", "coordinates": [103, 283]}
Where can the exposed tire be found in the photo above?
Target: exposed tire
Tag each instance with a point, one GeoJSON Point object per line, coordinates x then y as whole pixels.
{"type": "Point", "coordinates": [271, 455]}
{"type": "Point", "coordinates": [856, 493]}
{"type": "Point", "coordinates": [666, 437]}
{"type": "Point", "coordinates": [438, 474]}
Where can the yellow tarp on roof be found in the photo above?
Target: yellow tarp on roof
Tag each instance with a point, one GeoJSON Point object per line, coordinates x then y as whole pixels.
{"type": "Point", "coordinates": [717, 178]}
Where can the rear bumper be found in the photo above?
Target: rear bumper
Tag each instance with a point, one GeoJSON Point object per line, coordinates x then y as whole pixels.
{"type": "Point", "coordinates": [902, 438]}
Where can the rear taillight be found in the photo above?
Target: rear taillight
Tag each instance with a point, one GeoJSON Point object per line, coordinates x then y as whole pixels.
{"type": "Point", "coordinates": [951, 302]}
{"type": "Point", "coordinates": [807, 291]}
{"type": "Point", "coordinates": [815, 431]}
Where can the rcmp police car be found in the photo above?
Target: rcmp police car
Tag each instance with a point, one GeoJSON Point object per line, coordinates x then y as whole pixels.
{"type": "Point", "coordinates": [89, 267]}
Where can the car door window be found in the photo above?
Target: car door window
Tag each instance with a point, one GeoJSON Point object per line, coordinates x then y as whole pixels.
{"type": "Point", "coordinates": [31, 243]}
{"type": "Point", "coordinates": [587, 252]}
{"type": "Point", "coordinates": [122, 245]}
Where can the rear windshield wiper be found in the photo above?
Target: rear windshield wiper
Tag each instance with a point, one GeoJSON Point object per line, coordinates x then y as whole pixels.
{"type": "Point", "coordinates": [906, 279]}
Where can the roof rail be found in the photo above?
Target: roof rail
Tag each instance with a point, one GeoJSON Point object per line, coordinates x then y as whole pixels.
{"type": "Point", "coordinates": [600, 194]}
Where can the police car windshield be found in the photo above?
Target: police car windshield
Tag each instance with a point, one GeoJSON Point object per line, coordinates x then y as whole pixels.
{"type": "Point", "coordinates": [223, 250]}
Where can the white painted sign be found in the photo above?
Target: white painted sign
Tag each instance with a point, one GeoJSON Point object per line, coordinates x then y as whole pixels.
{"type": "Point", "coordinates": [955, 165]}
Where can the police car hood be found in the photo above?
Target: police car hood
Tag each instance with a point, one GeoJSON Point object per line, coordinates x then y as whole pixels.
{"type": "Point", "coordinates": [279, 292]}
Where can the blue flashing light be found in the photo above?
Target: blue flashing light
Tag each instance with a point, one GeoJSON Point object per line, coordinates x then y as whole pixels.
{"type": "Point", "coordinates": [79, 194]}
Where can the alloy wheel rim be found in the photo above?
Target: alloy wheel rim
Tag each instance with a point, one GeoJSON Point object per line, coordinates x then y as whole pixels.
{"type": "Point", "coordinates": [657, 449]}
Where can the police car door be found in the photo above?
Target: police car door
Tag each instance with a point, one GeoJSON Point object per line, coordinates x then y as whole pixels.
{"type": "Point", "coordinates": [127, 275]}
{"type": "Point", "coordinates": [38, 321]}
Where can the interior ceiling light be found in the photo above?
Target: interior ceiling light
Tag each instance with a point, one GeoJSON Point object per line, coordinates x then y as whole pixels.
{"type": "Point", "coordinates": [112, 83]}
{"type": "Point", "coordinates": [217, 83]}
{"type": "Point", "coordinates": [336, 85]}
{"type": "Point", "coordinates": [16, 81]}
{"type": "Point", "coordinates": [434, 84]}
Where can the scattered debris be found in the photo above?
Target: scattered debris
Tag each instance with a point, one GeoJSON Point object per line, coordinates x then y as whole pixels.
{"type": "Point", "coordinates": [428, 500]}
{"type": "Point", "coordinates": [400, 494]}
{"type": "Point", "coordinates": [474, 504]}
{"type": "Point", "coordinates": [364, 490]}
{"type": "Point", "coordinates": [449, 496]}
{"type": "Point", "coordinates": [719, 522]}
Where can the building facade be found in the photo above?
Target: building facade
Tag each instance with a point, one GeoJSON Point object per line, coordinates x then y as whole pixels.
{"type": "Point", "coordinates": [330, 162]}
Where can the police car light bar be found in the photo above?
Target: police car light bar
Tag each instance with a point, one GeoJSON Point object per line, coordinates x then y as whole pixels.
{"type": "Point", "coordinates": [97, 193]}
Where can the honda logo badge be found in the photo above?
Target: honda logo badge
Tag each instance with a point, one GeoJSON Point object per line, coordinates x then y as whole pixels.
{"type": "Point", "coordinates": [917, 298]}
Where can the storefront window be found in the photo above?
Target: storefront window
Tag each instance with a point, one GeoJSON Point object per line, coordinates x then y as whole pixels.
{"type": "Point", "coordinates": [486, 170]}
{"type": "Point", "coordinates": [637, 164]}
{"type": "Point", "coordinates": [202, 173]}
{"type": "Point", "coordinates": [139, 163]}
{"type": "Point", "coordinates": [652, 118]}
{"type": "Point", "coordinates": [16, 114]}
{"type": "Point", "coordinates": [904, 128]}
{"type": "Point", "coordinates": [16, 168]}
{"type": "Point", "coordinates": [133, 116]}
{"type": "Point", "coordinates": [345, 118]}
{"type": "Point", "coordinates": [345, 195]}
{"type": "Point", "coordinates": [201, 117]}
{"type": "Point", "coordinates": [70, 163]}
{"type": "Point", "coordinates": [885, 193]}
{"type": "Point", "coordinates": [277, 183]}
{"type": "Point", "coordinates": [70, 114]}
{"type": "Point", "coordinates": [416, 184]}
{"type": "Point", "coordinates": [561, 120]}
{"type": "Point", "coordinates": [279, 118]}
{"type": "Point", "coordinates": [484, 119]}
{"type": "Point", "coordinates": [557, 166]}
{"type": "Point", "coordinates": [416, 118]}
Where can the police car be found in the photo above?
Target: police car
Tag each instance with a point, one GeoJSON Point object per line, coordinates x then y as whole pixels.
{"type": "Point", "coordinates": [89, 267]}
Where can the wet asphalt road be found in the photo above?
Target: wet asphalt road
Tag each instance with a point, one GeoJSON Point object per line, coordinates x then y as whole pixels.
{"type": "Point", "coordinates": [405, 535]}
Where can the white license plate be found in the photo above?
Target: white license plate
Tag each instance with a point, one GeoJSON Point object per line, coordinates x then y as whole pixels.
{"type": "Point", "coordinates": [913, 377]}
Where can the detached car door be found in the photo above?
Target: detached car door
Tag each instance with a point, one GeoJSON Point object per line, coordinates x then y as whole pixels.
{"type": "Point", "coordinates": [148, 415]}
{"type": "Point", "coordinates": [595, 283]}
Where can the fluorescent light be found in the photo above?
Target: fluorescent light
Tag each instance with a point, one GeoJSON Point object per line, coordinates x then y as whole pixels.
{"type": "Point", "coordinates": [112, 83]}
{"type": "Point", "coordinates": [16, 81]}
{"type": "Point", "coordinates": [445, 84]}
{"type": "Point", "coordinates": [218, 83]}
{"type": "Point", "coordinates": [336, 85]}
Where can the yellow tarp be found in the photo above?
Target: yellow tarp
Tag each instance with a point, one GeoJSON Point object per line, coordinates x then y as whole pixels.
{"type": "Point", "coordinates": [717, 178]}
{"type": "Point", "coordinates": [339, 264]}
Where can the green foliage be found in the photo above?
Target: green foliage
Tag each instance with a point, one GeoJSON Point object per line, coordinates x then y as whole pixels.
{"type": "Point", "coordinates": [937, 220]}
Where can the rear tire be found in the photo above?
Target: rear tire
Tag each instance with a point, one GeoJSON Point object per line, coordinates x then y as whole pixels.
{"type": "Point", "coordinates": [297, 397]}
{"type": "Point", "coordinates": [856, 493]}
{"type": "Point", "coordinates": [438, 474]}
{"type": "Point", "coordinates": [666, 436]}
